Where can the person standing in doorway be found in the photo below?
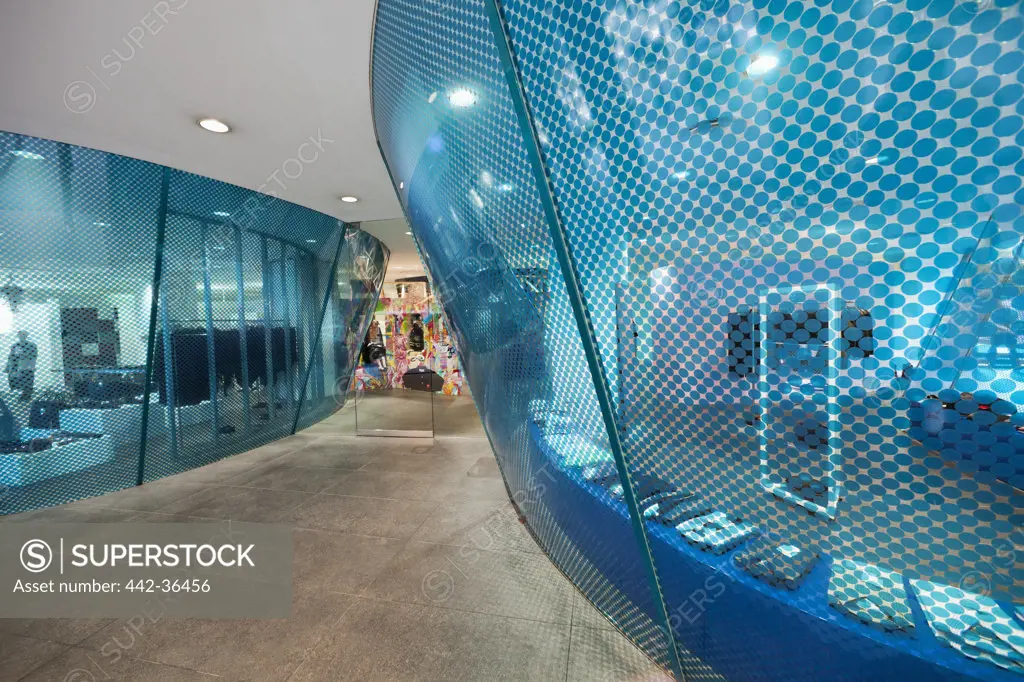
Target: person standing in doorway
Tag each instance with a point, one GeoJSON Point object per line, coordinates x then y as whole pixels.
{"type": "Point", "coordinates": [21, 366]}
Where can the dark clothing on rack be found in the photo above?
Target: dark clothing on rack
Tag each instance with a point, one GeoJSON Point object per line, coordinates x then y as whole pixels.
{"type": "Point", "coordinates": [191, 364]}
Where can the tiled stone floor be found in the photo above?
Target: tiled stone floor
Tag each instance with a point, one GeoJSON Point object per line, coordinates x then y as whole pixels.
{"type": "Point", "coordinates": [391, 578]}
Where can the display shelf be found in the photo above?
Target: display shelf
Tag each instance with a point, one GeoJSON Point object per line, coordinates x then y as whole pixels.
{"type": "Point", "coordinates": [20, 469]}
{"type": "Point", "coordinates": [817, 638]}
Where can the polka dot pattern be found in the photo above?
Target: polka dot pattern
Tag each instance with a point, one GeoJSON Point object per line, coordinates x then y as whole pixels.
{"type": "Point", "coordinates": [707, 156]}
{"type": "Point", "coordinates": [796, 226]}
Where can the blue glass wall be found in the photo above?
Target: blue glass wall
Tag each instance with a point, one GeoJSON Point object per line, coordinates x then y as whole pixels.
{"type": "Point", "coordinates": [152, 321]}
{"type": "Point", "coordinates": [794, 230]}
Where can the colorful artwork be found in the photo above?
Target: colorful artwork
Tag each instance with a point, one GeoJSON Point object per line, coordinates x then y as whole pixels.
{"type": "Point", "coordinates": [401, 320]}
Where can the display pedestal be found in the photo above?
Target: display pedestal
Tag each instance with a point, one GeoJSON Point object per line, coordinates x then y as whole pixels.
{"type": "Point", "coordinates": [23, 468]}
{"type": "Point", "coordinates": [123, 424]}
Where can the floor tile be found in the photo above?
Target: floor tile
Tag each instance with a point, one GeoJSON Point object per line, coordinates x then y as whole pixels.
{"type": "Point", "coordinates": [254, 505]}
{"type": "Point", "coordinates": [77, 513]}
{"type": "Point", "coordinates": [378, 640]}
{"type": "Point", "coordinates": [486, 467]}
{"type": "Point", "coordinates": [214, 473]}
{"type": "Point", "coordinates": [607, 656]}
{"type": "Point", "coordinates": [83, 665]}
{"type": "Point", "coordinates": [421, 460]}
{"type": "Point", "coordinates": [60, 630]}
{"type": "Point", "coordinates": [514, 584]}
{"type": "Point", "coordinates": [340, 562]}
{"type": "Point", "coordinates": [278, 476]}
{"type": "Point", "coordinates": [395, 485]}
{"type": "Point", "coordinates": [20, 655]}
{"type": "Point", "coordinates": [363, 515]}
{"type": "Point", "coordinates": [481, 524]}
{"type": "Point", "coordinates": [585, 614]}
{"type": "Point", "coordinates": [147, 497]}
{"type": "Point", "coordinates": [331, 455]}
{"type": "Point", "coordinates": [234, 649]}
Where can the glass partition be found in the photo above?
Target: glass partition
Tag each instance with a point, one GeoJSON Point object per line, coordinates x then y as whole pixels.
{"type": "Point", "coordinates": [795, 230]}
{"type": "Point", "coordinates": [152, 320]}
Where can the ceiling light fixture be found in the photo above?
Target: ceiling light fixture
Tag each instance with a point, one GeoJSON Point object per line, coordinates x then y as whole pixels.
{"type": "Point", "coordinates": [349, 199]}
{"type": "Point", "coordinates": [25, 154]}
{"type": "Point", "coordinates": [222, 214]}
{"type": "Point", "coordinates": [214, 125]}
{"type": "Point", "coordinates": [311, 241]}
{"type": "Point", "coordinates": [100, 223]}
{"type": "Point", "coordinates": [462, 98]}
{"type": "Point", "coordinates": [762, 65]}
{"type": "Point", "coordinates": [409, 233]}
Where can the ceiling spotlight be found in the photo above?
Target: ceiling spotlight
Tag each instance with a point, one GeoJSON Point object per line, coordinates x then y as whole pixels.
{"type": "Point", "coordinates": [409, 233]}
{"type": "Point", "coordinates": [762, 65]}
{"type": "Point", "coordinates": [25, 154]}
{"type": "Point", "coordinates": [462, 98]}
{"type": "Point", "coordinates": [348, 199]}
{"type": "Point", "coordinates": [214, 125]}
{"type": "Point", "coordinates": [221, 214]}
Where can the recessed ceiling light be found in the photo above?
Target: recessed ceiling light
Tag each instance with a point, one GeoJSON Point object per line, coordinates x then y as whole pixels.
{"type": "Point", "coordinates": [401, 185]}
{"type": "Point", "coordinates": [222, 214]}
{"type": "Point", "coordinates": [311, 241]}
{"type": "Point", "coordinates": [348, 199]}
{"type": "Point", "coordinates": [214, 125]}
{"type": "Point", "coordinates": [25, 154]}
{"type": "Point", "coordinates": [762, 65]}
{"type": "Point", "coordinates": [408, 232]}
{"type": "Point", "coordinates": [462, 97]}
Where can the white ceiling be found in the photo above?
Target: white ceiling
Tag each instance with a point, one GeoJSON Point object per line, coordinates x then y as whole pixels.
{"type": "Point", "coordinates": [132, 77]}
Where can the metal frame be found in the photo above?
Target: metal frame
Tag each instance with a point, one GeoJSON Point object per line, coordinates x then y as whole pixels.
{"type": "Point", "coordinates": [154, 307]}
{"type": "Point", "coordinates": [567, 264]}
{"type": "Point", "coordinates": [331, 278]}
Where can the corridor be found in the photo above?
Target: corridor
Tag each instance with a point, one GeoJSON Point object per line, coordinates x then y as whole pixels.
{"type": "Point", "coordinates": [409, 564]}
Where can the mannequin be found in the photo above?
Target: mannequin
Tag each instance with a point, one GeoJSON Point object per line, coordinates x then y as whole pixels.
{"type": "Point", "coordinates": [21, 366]}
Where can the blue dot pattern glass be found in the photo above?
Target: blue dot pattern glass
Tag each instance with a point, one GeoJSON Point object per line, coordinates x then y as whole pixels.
{"type": "Point", "coordinates": [797, 229]}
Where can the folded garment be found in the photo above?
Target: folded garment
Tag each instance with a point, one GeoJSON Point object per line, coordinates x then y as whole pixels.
{"type": "Point", "coordinates": [659, 503]}
{"type": "Point", "coordinates": [716, 532]}
{"type": "Point", "coordinates": [783, 564]}
{"type": "Point", "coordinates": [683, 510]}
{"type": "Point", "coordinates": [871, 594]}
{"type": "Point", "coordinates": [973, 624]}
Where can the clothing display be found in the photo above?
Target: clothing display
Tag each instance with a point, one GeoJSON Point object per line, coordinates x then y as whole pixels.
{"type": "Point", "coordinates": [783, 564]}
{"type": "Point", "coordinates": [871, 594]}
{"type": "Point", "coordinates": [191, 361]}
{"type": "Point", "coordinates": [973, 624]}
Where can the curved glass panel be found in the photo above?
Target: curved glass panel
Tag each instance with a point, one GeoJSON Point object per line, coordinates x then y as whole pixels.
{"type": "Point", "coordinates": [447, 127]}
{"type": "Point", "coordinates": [796, 227]}
{"type": "Point", "coordinates": [247, 320]}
